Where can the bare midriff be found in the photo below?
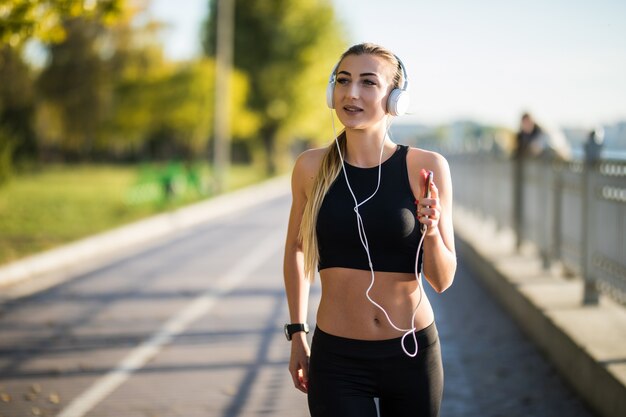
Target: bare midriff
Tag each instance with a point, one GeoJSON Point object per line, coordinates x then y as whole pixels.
{"type": "Point", "coordinates": [345, 311]}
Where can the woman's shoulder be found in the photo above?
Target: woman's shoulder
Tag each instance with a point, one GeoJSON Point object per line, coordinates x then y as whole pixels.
{"type": "Point", "coordinates": [418, 159]}
{"type": "Point", "coordinates": [306, 167]}
{"type": "Point", "coordinates": [429, 160]}
{"type": "Point", "coordinates": [310, 160]}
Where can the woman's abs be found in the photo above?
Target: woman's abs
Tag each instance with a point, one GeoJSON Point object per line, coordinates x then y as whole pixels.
{"type": "Point", "coordinates": [345, 310]}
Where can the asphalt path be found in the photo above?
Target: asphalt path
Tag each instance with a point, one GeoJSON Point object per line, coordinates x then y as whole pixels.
{"type": "Point", "coordinates": [192, 326]}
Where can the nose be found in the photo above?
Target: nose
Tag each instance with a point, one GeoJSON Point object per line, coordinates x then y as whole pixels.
{"type": "Point", "coordinates": [353, 90]}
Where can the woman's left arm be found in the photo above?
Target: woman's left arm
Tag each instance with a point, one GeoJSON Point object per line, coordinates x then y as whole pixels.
{"type": "Point", "coordinates": [439, 258]}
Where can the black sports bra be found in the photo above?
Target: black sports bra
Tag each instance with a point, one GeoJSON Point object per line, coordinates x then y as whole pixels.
{"type": "Point", "coordinates": [392, 229]}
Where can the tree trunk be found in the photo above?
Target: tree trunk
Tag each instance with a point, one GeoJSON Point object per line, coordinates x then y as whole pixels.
{"type": "Point", "coordinates": [268, 135]}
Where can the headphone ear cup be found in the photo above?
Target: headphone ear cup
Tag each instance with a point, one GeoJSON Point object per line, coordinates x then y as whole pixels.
{"type": "Point", "coordinates": [398, 102]}
{"type": "Point", "coordinates": [330, 89]}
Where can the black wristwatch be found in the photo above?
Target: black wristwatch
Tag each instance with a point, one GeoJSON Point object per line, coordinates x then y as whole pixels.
{"type": "Point", "coordinates": [290, 329]}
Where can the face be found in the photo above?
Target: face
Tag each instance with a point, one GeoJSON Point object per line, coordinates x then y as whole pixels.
{"type": "Point", "coordinates": [527, 125]}
{"type": "Point", "coordinates": [361, 90]}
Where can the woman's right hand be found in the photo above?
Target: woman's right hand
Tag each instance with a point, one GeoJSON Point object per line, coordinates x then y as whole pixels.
{"type": "Point", "coordinates": [299, 361]}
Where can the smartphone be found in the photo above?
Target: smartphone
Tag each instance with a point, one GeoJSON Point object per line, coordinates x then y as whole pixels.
{"type": "Point", "coordinates": [428, 180]}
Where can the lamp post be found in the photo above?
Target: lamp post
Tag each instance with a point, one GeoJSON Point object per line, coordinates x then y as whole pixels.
{"type": "Point", "coordinates": [223, 64]}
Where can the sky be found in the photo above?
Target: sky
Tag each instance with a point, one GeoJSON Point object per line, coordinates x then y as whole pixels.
{"type": "Point", "coordinates": [488, 60]}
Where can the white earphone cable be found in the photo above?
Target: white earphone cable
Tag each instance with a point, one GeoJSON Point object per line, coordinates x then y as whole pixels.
{"type": "Point", "coordinates": [365, 243]}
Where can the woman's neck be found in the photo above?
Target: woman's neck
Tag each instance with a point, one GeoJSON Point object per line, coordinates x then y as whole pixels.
{"type": "Point", "coordinates": [363, 146]}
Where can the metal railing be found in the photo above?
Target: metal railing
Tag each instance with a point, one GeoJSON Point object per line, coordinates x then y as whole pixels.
{"type": "Point", "coordinates": [573, 212]}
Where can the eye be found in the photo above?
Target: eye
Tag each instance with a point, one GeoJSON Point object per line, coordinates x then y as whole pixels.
{"type": "Point", "coordinates": [342, 80]}
{"type": "Point", "coordinates": [369, 82]}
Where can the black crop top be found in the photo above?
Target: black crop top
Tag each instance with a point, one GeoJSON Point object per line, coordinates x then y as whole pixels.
{"type": "Point", "coordinates": [392, 229]}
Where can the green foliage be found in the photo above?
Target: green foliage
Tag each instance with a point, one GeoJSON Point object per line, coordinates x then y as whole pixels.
{"type": "Point", "coordinates": [287, 49]}
{"type": "Point", "coordinates": [21, 20]}
{"type": "Point", "coordinates": [106, 91]}
{"type": "Point", "coordinates": [173, 107]}
{"type": "Point", "coordinates": [109, 91]}
{"type": "Point", "coordinates": [76, 81]}
{"type": "Point", "coordinates": [49, 21]}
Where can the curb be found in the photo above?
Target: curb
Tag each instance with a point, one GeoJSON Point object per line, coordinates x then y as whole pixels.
{"type": "Point", "coordinates": [586, 344]}
{"type": "Point", "coordinates": [122, 239]}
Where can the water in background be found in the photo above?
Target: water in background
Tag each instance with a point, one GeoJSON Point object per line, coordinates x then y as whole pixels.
{"type": "Point", "coordinates": [468, 136]}
{"type": "Point", "coordinates": [613, 147]}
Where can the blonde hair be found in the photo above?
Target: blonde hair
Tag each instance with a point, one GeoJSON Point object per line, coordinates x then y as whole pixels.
{"type": "Point", "coordinates": [331, 166]}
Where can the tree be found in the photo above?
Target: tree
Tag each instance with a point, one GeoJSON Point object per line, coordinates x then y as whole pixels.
{"type": "Point", "coordinates": [89, 75]}
{"type": "Point", "coordinates": [76, 81]}
{"type": "Point", "coordinates": [108, 91]}
{"type": "Point", "coordinates": [21, 20]}
{"type": "Point", "coordinates": [17, 139]}
{"type": "Point", "coordinates": [172, 107]}
{"type": "Point", "coordinates": [161, 109]}
{"type": "Point", "coordinates": [287, 49]}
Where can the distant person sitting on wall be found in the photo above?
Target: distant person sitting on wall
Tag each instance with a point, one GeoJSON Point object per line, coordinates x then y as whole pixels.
{"type": "Point", "coordinates": [533, 141]}
{"type": "Point", "coordinates": [593, 146]}
{"type": "Point", "coordinates": [530, 140]}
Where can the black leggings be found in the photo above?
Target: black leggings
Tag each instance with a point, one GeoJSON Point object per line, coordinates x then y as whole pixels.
{"type": "Point", "coordinates": [345, 375]}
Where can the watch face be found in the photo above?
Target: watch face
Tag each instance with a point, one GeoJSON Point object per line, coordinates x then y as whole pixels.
{"type": "Point", "coordinates": [294, 328]}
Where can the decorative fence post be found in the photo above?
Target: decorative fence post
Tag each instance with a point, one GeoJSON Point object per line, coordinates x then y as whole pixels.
{"type": "Point", "coordinates": [546, 205]}
{"type": "Point", "coordinates": [592, 157]}
{"type": "Point", "coordinates": [518, 199]}
{"type": "Point", "coordinates": [557, 206]}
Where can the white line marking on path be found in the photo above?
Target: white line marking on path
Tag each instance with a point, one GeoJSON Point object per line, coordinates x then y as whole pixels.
{"type": "Point", "coordinates": [139, 356]}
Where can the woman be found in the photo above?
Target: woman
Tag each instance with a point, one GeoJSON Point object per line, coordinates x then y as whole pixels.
{"type": "Point", "coordinates": [356, 213]}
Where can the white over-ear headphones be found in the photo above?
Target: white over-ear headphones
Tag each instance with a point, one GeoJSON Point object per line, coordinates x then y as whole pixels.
{"type": "Point", "coordinates": [397, 103]}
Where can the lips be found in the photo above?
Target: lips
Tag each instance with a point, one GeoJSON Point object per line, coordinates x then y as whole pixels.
{"type": "Point", "coordinates": [352, 109]}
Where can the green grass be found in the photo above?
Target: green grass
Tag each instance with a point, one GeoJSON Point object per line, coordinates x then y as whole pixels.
{"type": "Point", "coordinates": [63, 203]}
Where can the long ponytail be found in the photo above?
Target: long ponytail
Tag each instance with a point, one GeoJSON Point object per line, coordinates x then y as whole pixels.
{"type": "Point", "coordinates": [328, 172]}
